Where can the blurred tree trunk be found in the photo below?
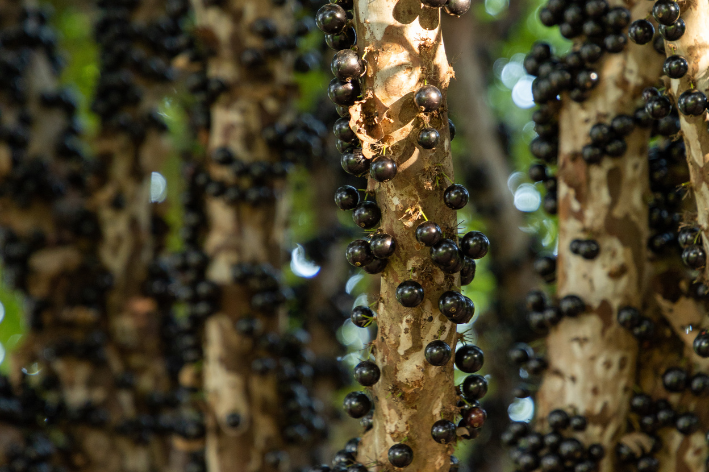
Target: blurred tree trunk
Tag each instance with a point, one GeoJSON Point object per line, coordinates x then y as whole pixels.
{"type": "Point", "coordinates": [257, 95]}
{"type": "Point", "coordinates": [592, 358]}
{"type": "Point", "coordinates": [93, 325]}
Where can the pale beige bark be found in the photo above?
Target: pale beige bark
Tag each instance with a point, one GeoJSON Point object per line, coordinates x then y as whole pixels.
{"type": "Point", "coordinates": [592, 359]}
{"type": "Point", "coordinates": [693, 47]}
{"type": "Point", "coordinates": [242, 233]}
{"type": "Point", "coordinates": [402, 44]}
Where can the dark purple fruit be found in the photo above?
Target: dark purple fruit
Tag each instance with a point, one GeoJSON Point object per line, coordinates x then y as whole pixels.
{"type": "Point", "coordinates": [694, 256]}
{"type": "Point", "coordinates": [701, 344]}
{"type": "Point", "coordinates": [674, 31]}
{"type": "Point", "coordinates": [409, 293]}
{"type": "Point", "coordinates": [629, 317]}
{"type": "Point", "coordinates": [457, 8]}
{"type": "Point", "coordinates": [376, 266]}
{"type": "Point", "coordinates": [343, 132]}
{"type": "Point", "coordinates": [428, 98]}
{"type": "Point", "coordinates": [692, 103]}
{"type": "Point", "coordinates": [571, 306]}
{"type": "Point", "coordinates": [469, 359]}
{"type": "Point", "coordinates": [357, 404]}
{"type": "Point", "coordinates": [331, 18]}
{"type": "Point", "coordinates": [400, 455]}
{"type": "Point", "coordinates": [445, 253]}
{"type": "Point", "coordinates": [367, 215]}
{"type": "Point", "coordinates": [367, 373]}
{"type": "Point", "coordinates": [355, 163]}
{"type": "Point", "coordinates": [641, 31]}
{"type": "Point", "coordinates": [475, 245]}
{"type": "Point", "coordinates": [437, 353]}
{"type": "Point", "coordinates": [358, 253]}
{"type": "Point", "coordinates": [444, 432]}
{"type": "Point", "coordinates": [343, 93]}
{"type": "Point", "coordinates": [428, 233]}
{"type": "Point", "coordinates": [623, 125]}
{"type": "Point", "coordinates": [666, 12]}
{"type": "Point", "coordinates": [687, 423]}
{"type": "Point", "coordinates": [452, 303]}
{"type": "Point", "coordinates": [362, 316]}
{"type": "Point", "coordinates": [382, 245]}
{"type": "Point", "coordinates": [675, 67]}
{"type": "Point", "coordinates": [474, 387]}
{"type": "Point", "coordinates": [467, 273]}
{"type": "Point", "coordinates": [346, 197]}
{"type": "Point", "coordinates": [346, 65]}
{"type": "Point", "coordinates": [383, 169]}
{"type": "Point", "coordinates": [428, 138]}
{"type": "Point", "coordinates": [344, 40]}
{"type": "Point", "coordinates": [456, 197]}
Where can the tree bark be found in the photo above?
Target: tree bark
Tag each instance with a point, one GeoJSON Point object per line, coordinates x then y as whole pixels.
{"type": "Point", "coordinates": [592, 359]}
{"type": "Point", "coordinates": [693, 47]}
{"type": "Point", "coordinates": [402, 44]}
{"type": "Point", "coordinates": [242, 233]}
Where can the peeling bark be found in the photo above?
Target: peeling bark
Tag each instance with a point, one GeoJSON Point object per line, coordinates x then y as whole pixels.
{"type": "Point", "coordinates": [402, 44]}
{"type": "Point", "coordinates": [693, 47]}
{"type": "Point", "coordinates": [592, 359]}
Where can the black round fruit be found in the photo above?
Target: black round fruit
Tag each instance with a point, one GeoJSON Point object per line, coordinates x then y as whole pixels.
{"type": "Point", "coordinates": [344, 40]}
{"type": "Point", "coordinates": [666, 12]}
{"type": "Point", "coordinates": [692, 103]}
{"type": "Point", "coordinates": [437, 353]}
{"type": "Point", "coordinates": [362, 316]}
{"type": "Point", "coordinates": [354, 162]}
{"type": "Point", "coordinates": [475, 245]}
{"type": "Point", "coordinates": [358, 253]}
{"type": "Point", "coordinates": [469, 359]}
{"type": "Point", "coordinates": [641, 31]}
{"type": "Point", "coordinates": [382, 245]}
{"type": "Point", "coordinates": [428, 138]}
{"type": "Point", "coordinates": [343, 132]}
{"type": "Point", "coordinates": [474, 387]}
{"type": "Point", "coordinates": [674, 31]}
{"type": "Point", "coordinates": [428, 98]}
{"type": "Point", "coordinates": [694, 256]}
{"type": "Point", "coordinates": [571, 306]}
{"type": "Point", "coordinates": [346, 65]}
{"type": "Point", "coordinates": [558, 420]}
{"type": "Point", "coordinates": [409, 293]}
{"type": "Point", "coordinates": [367, 215]}
{"type": "Point", "coordinates": [675, 379]}
{"type": "Point", "coordinates": [456, 197]}
{"type": "Point", "coordinates": [428, 233]}
{"type": "Point", "coordinates": [701, 344]}
{"type": "Point", "coordinates": [383, 169]}
{"type": "Point", "coordinates": [443, 432]}
{"type": "Point", "coordinates": [343, 93]}
{"type": "Point", "coordinates": [445, 253]}
{"type": "Point", "coordinates": [675, 67]}
{"type": "Point", "coordinates": [400, 455]}
{"type": "Point", "coordinates": [367, 373]}
{"type": "Point", "coordinates": [347, 197]}
{"type": "Point", "coordinates": [451, 303]}
{"type": "Point", "coordinates": [331, 18]}
{"type": "Point", "coordinates": [629, 317]}
{"type": "Point", "coordinates": [357, 404]}
{"type": "Point", "coordinates": [457, 8]}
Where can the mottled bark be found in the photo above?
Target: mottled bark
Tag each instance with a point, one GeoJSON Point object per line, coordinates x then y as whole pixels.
{"type": "Point", "coordinates": [402, 44]}
{"type": "Point", "coordinates": [255, 98]}
{"type": "Point", "coordinates": [592, 359]}
{"type": "Point", "coordinates": [693, 47]}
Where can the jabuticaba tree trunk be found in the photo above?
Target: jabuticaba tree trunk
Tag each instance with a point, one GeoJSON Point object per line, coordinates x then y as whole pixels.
{"type": "Point", "coordinates": [692, 45]}
{"type": "Point", "coordinates": [402, 44]}
{"type": "Point", "coordinates": [255, 97]}
{"type": "Point", "coordinates": [592, 359]}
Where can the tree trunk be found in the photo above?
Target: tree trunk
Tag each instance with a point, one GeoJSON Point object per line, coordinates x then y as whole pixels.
{"type": "Point", "coordinates": [403, 48]}
{"type": "Point", "coordinates": [693, 47]}
{"type": "Point", "coordinates": [255, 98]}
{"type": "Point", "coordinates": [592, 359]}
